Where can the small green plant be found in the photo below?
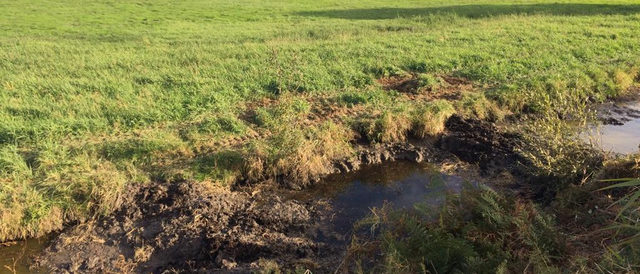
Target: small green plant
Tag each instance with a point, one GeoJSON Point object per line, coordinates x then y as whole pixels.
{"type": "Point", "coordinates": [283, 114]}
{"type": "Point", "coordinates": [364, 97]}
{"type": "Point", "coordinates": [623, 251]}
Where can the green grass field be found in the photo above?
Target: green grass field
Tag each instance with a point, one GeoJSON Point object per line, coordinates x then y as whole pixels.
{"type": "Point", "coordinates": [96, 95]}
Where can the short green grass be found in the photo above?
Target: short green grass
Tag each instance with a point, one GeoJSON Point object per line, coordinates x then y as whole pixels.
{"type": "Point", "coordinates": [96, 95]}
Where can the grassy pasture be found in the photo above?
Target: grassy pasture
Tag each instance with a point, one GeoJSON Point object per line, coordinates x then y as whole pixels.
{"type": "Point", "coordinates": [96, 95]}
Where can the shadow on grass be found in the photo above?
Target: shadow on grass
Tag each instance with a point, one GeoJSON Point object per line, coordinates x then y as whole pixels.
{"type": "Point", "coordinates": [478, 11]}
{"type": "Point", "coordinates": [219, 165]}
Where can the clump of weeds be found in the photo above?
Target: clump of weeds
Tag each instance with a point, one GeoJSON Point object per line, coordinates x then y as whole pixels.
{"type": "Point", "coordinates": [296, 152]}
{"type": "Point", "coordinates": [479, 231]}
{"type": "Point", "coordinates": [429, 120]}
{"type": "Point", "coordinates": [389, 126]}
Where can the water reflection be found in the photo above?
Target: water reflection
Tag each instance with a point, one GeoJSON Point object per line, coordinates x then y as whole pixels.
{"type": "Point", "coordinates": [17, 257]}
{"type": "Point", "coordinates": [621, 131]}
{"type": "Point", "coordinates": [401, 184]}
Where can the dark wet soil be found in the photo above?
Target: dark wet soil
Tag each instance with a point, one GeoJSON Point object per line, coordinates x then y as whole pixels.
{"type": "Point", "coordinates": [183, 226]}
{"type": "Point", "coordinates": [480, 142]}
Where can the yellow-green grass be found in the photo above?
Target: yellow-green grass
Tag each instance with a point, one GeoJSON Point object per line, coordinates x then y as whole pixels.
{"type": "Point", "coordinates": [96, 95]}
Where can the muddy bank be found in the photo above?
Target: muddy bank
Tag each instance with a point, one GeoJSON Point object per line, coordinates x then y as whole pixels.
{"type": "Point", "coordinates": [480, 142]}
{"type": "Point", "coordinates": [470, 140]}
{"type": "Point", "coordinates": [183, 226]}
{"type": "Point", "coordinates": [186, 226]}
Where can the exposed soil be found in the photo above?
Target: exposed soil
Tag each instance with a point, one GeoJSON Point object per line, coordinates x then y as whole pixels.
{"type": "Point", "coordinates": [183, 226]}
{"type": "Point", "coordinates": [618, 111]}
{"type": "Point", "coordinates": [187, 227]}
{"type": "Point", "coordinates": [452, 88]}
{"type": "Point", "coordinates": [618, 115]}
{"type": "Point", "coordinates": [405, 83]}
{"type": "Point", "coordinates": [481, 143]}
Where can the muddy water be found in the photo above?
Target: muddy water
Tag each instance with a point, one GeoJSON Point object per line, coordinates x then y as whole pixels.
{"type": "Point", "coordinates": [17, 257]}
{"type": "Point", "coordinates": [400, 184]}
{"type": "Point", "coordinates": [620, 131]}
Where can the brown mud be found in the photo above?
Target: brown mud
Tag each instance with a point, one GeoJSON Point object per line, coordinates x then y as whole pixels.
{"type": "Point", "coordinates": [183, 226]}
{"type": "Point", "coordinates": [186, 226]}
{"type": "Point", "coordinates": [450, 88]}
{"type": "Point", "coordinates": [480, 142]}
{"type": "Point", "coordinates": [621, 110]}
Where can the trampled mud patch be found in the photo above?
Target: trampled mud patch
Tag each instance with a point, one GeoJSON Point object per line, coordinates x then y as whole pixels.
{"type": "Point", "coordinates": [185, 227]}
{"type": "Point", "coordinates": [480, 142]}
{"type": "Point", "coordinates": [442, 87]}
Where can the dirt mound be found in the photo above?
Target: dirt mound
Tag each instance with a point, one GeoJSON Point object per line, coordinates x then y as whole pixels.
{"type": "Point", "coordinates": [480, 142]}
{"type": "Point", "coordinates": [185, 227]}
{"type": "Point", "coordinates": [404, 83]}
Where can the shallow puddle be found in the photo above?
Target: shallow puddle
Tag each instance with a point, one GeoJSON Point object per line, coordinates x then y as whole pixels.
{"type": "Point", "coordinates": [17, 257]}
{"type": "Point", "coordinates": [620, 131]}
{"type": "Point", "coordinates": [401, 184]}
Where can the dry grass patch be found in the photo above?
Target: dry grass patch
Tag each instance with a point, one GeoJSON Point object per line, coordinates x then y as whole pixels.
{"type": "Point", "coordinates": [477, 105]}
{"type": "Point", "coordinates": [389, 127]}
{"type": "Point", "coordinates": [40, 193]}
{"type": "Point", "coordinates": [428, 120]}
{"type": "Point", "coordinates": [299, 155]}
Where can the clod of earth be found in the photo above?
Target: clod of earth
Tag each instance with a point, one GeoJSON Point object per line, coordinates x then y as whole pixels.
{"type": "Point", "coordinates": [183, 226]}
{"type": "Point", "coordinates": [481, 143]}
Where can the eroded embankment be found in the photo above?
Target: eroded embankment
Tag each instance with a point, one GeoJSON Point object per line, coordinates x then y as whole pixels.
{"type": "Point", "coordinates": [185, 226]}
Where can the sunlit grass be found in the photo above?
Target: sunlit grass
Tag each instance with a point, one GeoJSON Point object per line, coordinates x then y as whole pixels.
{"type": "Point", "coordinates": [96, 95]}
